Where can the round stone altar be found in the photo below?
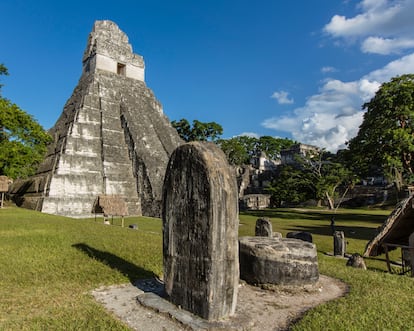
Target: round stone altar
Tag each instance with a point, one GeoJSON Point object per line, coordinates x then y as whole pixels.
{"type": "Point", "coordinates": [266, 260]}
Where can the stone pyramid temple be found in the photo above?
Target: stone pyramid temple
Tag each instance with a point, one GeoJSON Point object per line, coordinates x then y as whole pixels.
{"type": "Point", "coordinates": [112, 137]}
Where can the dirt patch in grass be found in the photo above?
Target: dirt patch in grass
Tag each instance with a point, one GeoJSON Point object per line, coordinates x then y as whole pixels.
{"type": "Point", "coordinates": [261, 309]}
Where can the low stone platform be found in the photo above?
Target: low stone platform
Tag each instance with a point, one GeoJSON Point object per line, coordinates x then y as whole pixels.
{"type": "Point", "coordinates": [265, 260]}
{"type": "Point", "coordinates": [141, 306]}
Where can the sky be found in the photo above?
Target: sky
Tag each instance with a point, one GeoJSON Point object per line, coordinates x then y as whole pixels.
{"type": "Point", "coordinates": [295, 69]}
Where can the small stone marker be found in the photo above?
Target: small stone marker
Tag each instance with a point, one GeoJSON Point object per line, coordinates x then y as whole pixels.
{"type": "Point", "coordinates": [263, 228]}
{"type": "Point", "coordinates": [302, 235]}
{"type": "Point", "coordinates": [278, 261]}
{"type": "Point", "coordinates": [200, 231]}
{"type": "Point", "coordinates": [339, 243]}
{"type": "Point", "coordinates": [356, 261]}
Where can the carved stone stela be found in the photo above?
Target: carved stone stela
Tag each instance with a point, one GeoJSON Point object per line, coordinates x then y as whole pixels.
{"type": "Point", "coordinates": [111, 138]}
{"type": "Point", "coordinates": [200, 231]}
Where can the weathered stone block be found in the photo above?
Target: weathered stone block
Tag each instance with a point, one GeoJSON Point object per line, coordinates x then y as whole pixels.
{"type": "Point", "coordinates": [356, 261]}
{"type": "Point", "coordinates": [301, 235]}
{"type": "Point", "coordinates": [339, 243]}
{"type": "Point", "coordinates": [200, 225]}
{"type": "Point", "coordinates": [266, 260]}
{"type": "Point", "coordinates": [263, 228]}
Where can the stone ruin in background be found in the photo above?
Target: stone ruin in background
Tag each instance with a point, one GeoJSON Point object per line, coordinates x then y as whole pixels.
{"type": "Point", "coordinates": [112, 137]}
{"type": "Point", "coordinates": [200, 231]}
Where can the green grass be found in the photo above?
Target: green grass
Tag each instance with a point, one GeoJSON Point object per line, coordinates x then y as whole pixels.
{"type": "Point", "coordinates": [49, 265]}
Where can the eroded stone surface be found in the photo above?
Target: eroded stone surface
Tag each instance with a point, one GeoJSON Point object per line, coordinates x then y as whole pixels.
{"type": "Point", "coordinates": [200, 226]}
{"type": "Point", "coordinates": [263, 228]}
{"type": "Point", "coordinates": [283, 261]}
{"type": "Point", "coordinates": [302, 235]}
{"type": "Point", "coordinates": [339, 243]}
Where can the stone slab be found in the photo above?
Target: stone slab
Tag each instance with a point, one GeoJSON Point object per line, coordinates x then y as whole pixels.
{"type": "Point", "coordinates": [257, 309]}
{"type": "Point", "coordinates": [200, 224]}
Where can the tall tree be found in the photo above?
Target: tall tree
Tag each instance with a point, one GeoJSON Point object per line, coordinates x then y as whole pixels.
{"type": "Point", "coordinates": [291, 185]}
{"type": "Point", "coordinates": [386, 135]}
{"type": "Point", "coordinates": [326, 175]}
{"type": "Point", "coordinates": [272, 146]}
{"type": "Point", "coordinates": [198, 131]}
{"type": "Point", "coordinates": [22, 140]}
{"type": "Point", "coordinates": [316, 176]}
{"type": "Point", "coordinates": [241, 149]}
{"type": "Point", "coordinates": [235, 151]}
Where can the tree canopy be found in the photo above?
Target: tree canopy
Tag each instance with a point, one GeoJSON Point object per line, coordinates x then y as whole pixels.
{"type": "Point", "coordinates": [22, 140]}
{"type": "Point", "coordinates": [239, 150]}
{"type": "Point", "coordinates": [198, 131]}
{"type": "Point", "coordinates": [386, 135]}
{"type": "Point", "coordinates": [310, 177]}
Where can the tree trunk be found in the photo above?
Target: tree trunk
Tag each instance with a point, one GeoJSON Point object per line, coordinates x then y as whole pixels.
{"type": "Point", "coordinates": [330, 201]}
{"type": "Point", "coordinates": [398, 179]}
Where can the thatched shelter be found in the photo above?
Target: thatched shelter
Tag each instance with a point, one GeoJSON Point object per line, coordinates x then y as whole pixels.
{"type": "Point", "coordinates": [4, 183]}
{"type": "Point", "coordinates": [395, 231]}
{"type": "Point", "coordinates": [4, 187]}
{"type": "Point", "coordinates": [110, 205]}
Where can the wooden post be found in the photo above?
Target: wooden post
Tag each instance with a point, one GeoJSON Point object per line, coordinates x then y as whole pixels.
{"type": "Point", "coordinates": [411, 250]}
{"type": "Point", "coordinates": [387, 257]}
{"type": "Point", "coordinates": [4, 187]}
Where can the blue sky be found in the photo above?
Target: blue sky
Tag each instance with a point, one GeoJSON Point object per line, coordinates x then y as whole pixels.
{"type": "Point", "coordinates": [296, 69]}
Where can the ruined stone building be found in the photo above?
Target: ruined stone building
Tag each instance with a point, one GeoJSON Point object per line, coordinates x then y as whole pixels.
{"type": "Point", "coordinates": [288, 156]}
{"type": "Point", "coordinates": [111, 138]}
{"type": "Point", "coordinates": [255, 179]}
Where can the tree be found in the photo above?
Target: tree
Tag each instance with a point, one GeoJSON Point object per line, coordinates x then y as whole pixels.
{"type": "Point", "coordinates": [314, 176]}
{"type": "Point", "coordinates": [199, 131]}
{"type": "Point", "coordinates": [235, 151]}
{"type": "Point", "coordinates": [22, 140]}
{"type": "Point", "coordinates": [326, 176]}
{"type": "Point", "coordinates": [241, 149]}
{"type": "Point", "coordinates": [272, 146]}
{"type": "Point", "coordinates": [386, 135]}
{"type": "Point", "coordinates": [3, 71]}
{"type": "Point", "coordinates": [291, 185]}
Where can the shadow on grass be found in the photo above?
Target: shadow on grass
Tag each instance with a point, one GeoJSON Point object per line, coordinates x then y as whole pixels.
{"type": "Point", "coordinates": [347, 222]}
{"type": "Point", "coordinates": [128, 269]}
{"type": "Point", "coordinates": [354, 232]}
{"type": "Point", "coordinates": [309, 214]}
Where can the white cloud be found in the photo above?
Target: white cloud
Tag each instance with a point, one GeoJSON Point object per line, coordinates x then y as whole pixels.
{"type": "Point", "coordinates": [386, 46]}
{"type": "Point", "coordinates": [401, 66]}
{"type": "Point", "coordinates": [333, 115]}
{"type": "Point", "coordinates": [282, 97]}
{"type": "Point", "coordinates": [375, 18]}
{"type": "Point", "coordinates": [328, 69]}
{"type": "Point", "coordinates": [383, 26]}
{"type": "Point", "coordinates": [368, 88]}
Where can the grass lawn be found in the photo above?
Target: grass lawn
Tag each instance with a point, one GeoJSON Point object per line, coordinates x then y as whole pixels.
{"type": "Point", "coordinates": [49, 265]}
